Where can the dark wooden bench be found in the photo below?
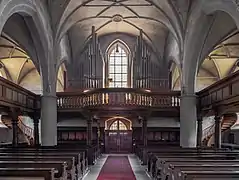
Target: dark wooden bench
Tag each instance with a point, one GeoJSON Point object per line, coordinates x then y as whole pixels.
{"type": "Point", "coordinates": [79, 163]}
{"type": "Point", "coordinates": [60, 166]}
{"type": "Point", "coordinates": [28, 173]}
{"type": "Point", "coordinates": [175, 170]}
{"type": "Point", "coordinates": [71, 170]}
{"type": "Point", "coordinates": [208, 175]}
{"type": "Point", "coordinates": [165, 165]}
{"type": "Point", "coordinates": [79, 154]}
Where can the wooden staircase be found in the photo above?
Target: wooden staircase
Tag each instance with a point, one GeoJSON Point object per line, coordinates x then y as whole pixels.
{"type": "Point", "coordinates": [227, 122]}
{"type": "Point", "coordinates": [22, 128]}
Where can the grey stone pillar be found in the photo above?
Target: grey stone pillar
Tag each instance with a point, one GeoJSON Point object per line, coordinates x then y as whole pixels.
{"type": "Point", "coordinates": [48, 120]}
{"type": "Point", "coordinates": [217, 137]}
{"type": "Point", "coordinates": [188, 121]}
{"type": "Point", "coordinates": [199, 131]}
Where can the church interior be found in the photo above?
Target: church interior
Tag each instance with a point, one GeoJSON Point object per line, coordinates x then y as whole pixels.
{"type": "Point", "coordinates": [119, 89]}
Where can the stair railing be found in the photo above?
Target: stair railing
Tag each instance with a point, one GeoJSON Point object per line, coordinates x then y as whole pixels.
{"type": "Point", "coordinates": [208, 132]}
{"type": "Point", "coordinates": [28, 131]}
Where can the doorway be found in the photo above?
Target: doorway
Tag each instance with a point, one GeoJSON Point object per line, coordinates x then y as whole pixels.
{"type": "Point", "coordinates": [118, 137]}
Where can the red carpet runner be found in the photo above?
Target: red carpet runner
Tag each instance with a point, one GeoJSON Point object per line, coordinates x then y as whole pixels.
{"type": "Point", "coordinates": [116, 168]}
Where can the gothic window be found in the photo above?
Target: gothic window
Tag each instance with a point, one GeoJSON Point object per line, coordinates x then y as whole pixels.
{"type": "Point", "coordinates": [118, 125]}
{"type": "Point", "coordinates": [118, 67]}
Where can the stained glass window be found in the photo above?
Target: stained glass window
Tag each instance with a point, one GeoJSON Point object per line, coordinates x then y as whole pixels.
{"type": "Point", "coordinates": [118, 67]}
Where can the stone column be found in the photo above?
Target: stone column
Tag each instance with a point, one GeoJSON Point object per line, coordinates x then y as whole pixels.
{"type": "Point", "coordinates": [217, 137]}
{"type": "Point", "coordinates": [199, 131]}
{"type": "Point", "coordinates": [188, 121]}
{"type": "Point", "coordinates": [36, 130]}
{"type": "Point", "coordinates": [48, 120]}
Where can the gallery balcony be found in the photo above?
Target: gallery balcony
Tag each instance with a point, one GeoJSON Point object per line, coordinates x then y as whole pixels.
{"type": "Point", "coordinates": [118, 99]}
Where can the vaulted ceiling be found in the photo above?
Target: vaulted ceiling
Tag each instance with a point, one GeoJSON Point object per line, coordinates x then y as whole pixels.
{"type": "Point", "coordinates": [16, 66]}
{"type": "Point", "coordinates": [155, 18]}
{"type": "Point", "coordinates": [221, 62]}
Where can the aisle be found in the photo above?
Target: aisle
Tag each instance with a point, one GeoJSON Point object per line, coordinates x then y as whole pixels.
{"type": "Point", "coordinates": [117, 167]}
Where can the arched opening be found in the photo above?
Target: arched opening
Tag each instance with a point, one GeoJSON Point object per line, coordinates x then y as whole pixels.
{"type": "Point", "coordinates": [117, 66]}
{"type": "Point", "coordinates": [118, 125]}
{"type": "Point", "coordinates": [118, 135]}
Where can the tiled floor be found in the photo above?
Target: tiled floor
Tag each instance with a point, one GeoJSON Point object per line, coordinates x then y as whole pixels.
{"type": "Point", "coordinates": [139, 170]}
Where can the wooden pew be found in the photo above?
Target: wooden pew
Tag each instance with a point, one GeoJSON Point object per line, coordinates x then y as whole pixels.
{"type": "Point", "coordinates": [175, 171]}
{"type": "Point", "coordinates": [151, 164]}
{"type": "Point", "coordinates": [81, 161]}
{"type": "Point", "coordinates": [78, 163]}
{"type": "Point", "coordinates": [168, 164]}
{"type": "Point", "coordinates": [28, 173]}
{"type": "Point", "coordinates": [208, 175]}
{"type": "Point", "coordinates": [60, 166]}
{"type": "Point", "coordinates": [71, 170]}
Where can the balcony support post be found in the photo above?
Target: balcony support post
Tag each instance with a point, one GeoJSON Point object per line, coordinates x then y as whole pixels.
{"type": "Point", "coordinates": [217, 137]}
{"type": "Point", "coordinates": [89, 141]}
{"type": "Point", "coordinates": [14, 113]}
{"type": "Point", "coordinates": [98, 136]}
{"type": "Point", "coordinates": [36, 130]}
{"type": "Point", "coordinates": [188, 121]}
{"type": "Point", "coordinates": [199, 131]}
{"type": "Point", "coordinates": [145, 139]}
{"type": "Point", "coordinates": [48, 120]}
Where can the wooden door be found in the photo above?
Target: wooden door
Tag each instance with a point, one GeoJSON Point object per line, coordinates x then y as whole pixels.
{"type": "Point", "coordinates": [125, 141]}
{"type": "Point", "coordinates": [117, 141]}
{"type": "Point", "coordinates": [111, 141]}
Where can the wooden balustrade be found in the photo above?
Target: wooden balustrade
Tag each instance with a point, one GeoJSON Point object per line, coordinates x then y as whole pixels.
{"type": "Point", "coordinates": [224, 92]}
{"type": "Point", "coordinates": [13, 95]}
{"type": "Point", "coordinates": [117, 97]}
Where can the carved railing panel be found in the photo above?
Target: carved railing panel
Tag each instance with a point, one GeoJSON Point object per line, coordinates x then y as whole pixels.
{"type": "Point", "coordinates": [117, 97]}
{"type": "Point", "coordinates": [12, 95]}
{"type": "Point", "coordinates": [223, 92]}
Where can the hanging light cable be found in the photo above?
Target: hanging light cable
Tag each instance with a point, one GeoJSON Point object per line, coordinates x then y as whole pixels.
{"type": "Point", "coordinates": [117, 48]}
